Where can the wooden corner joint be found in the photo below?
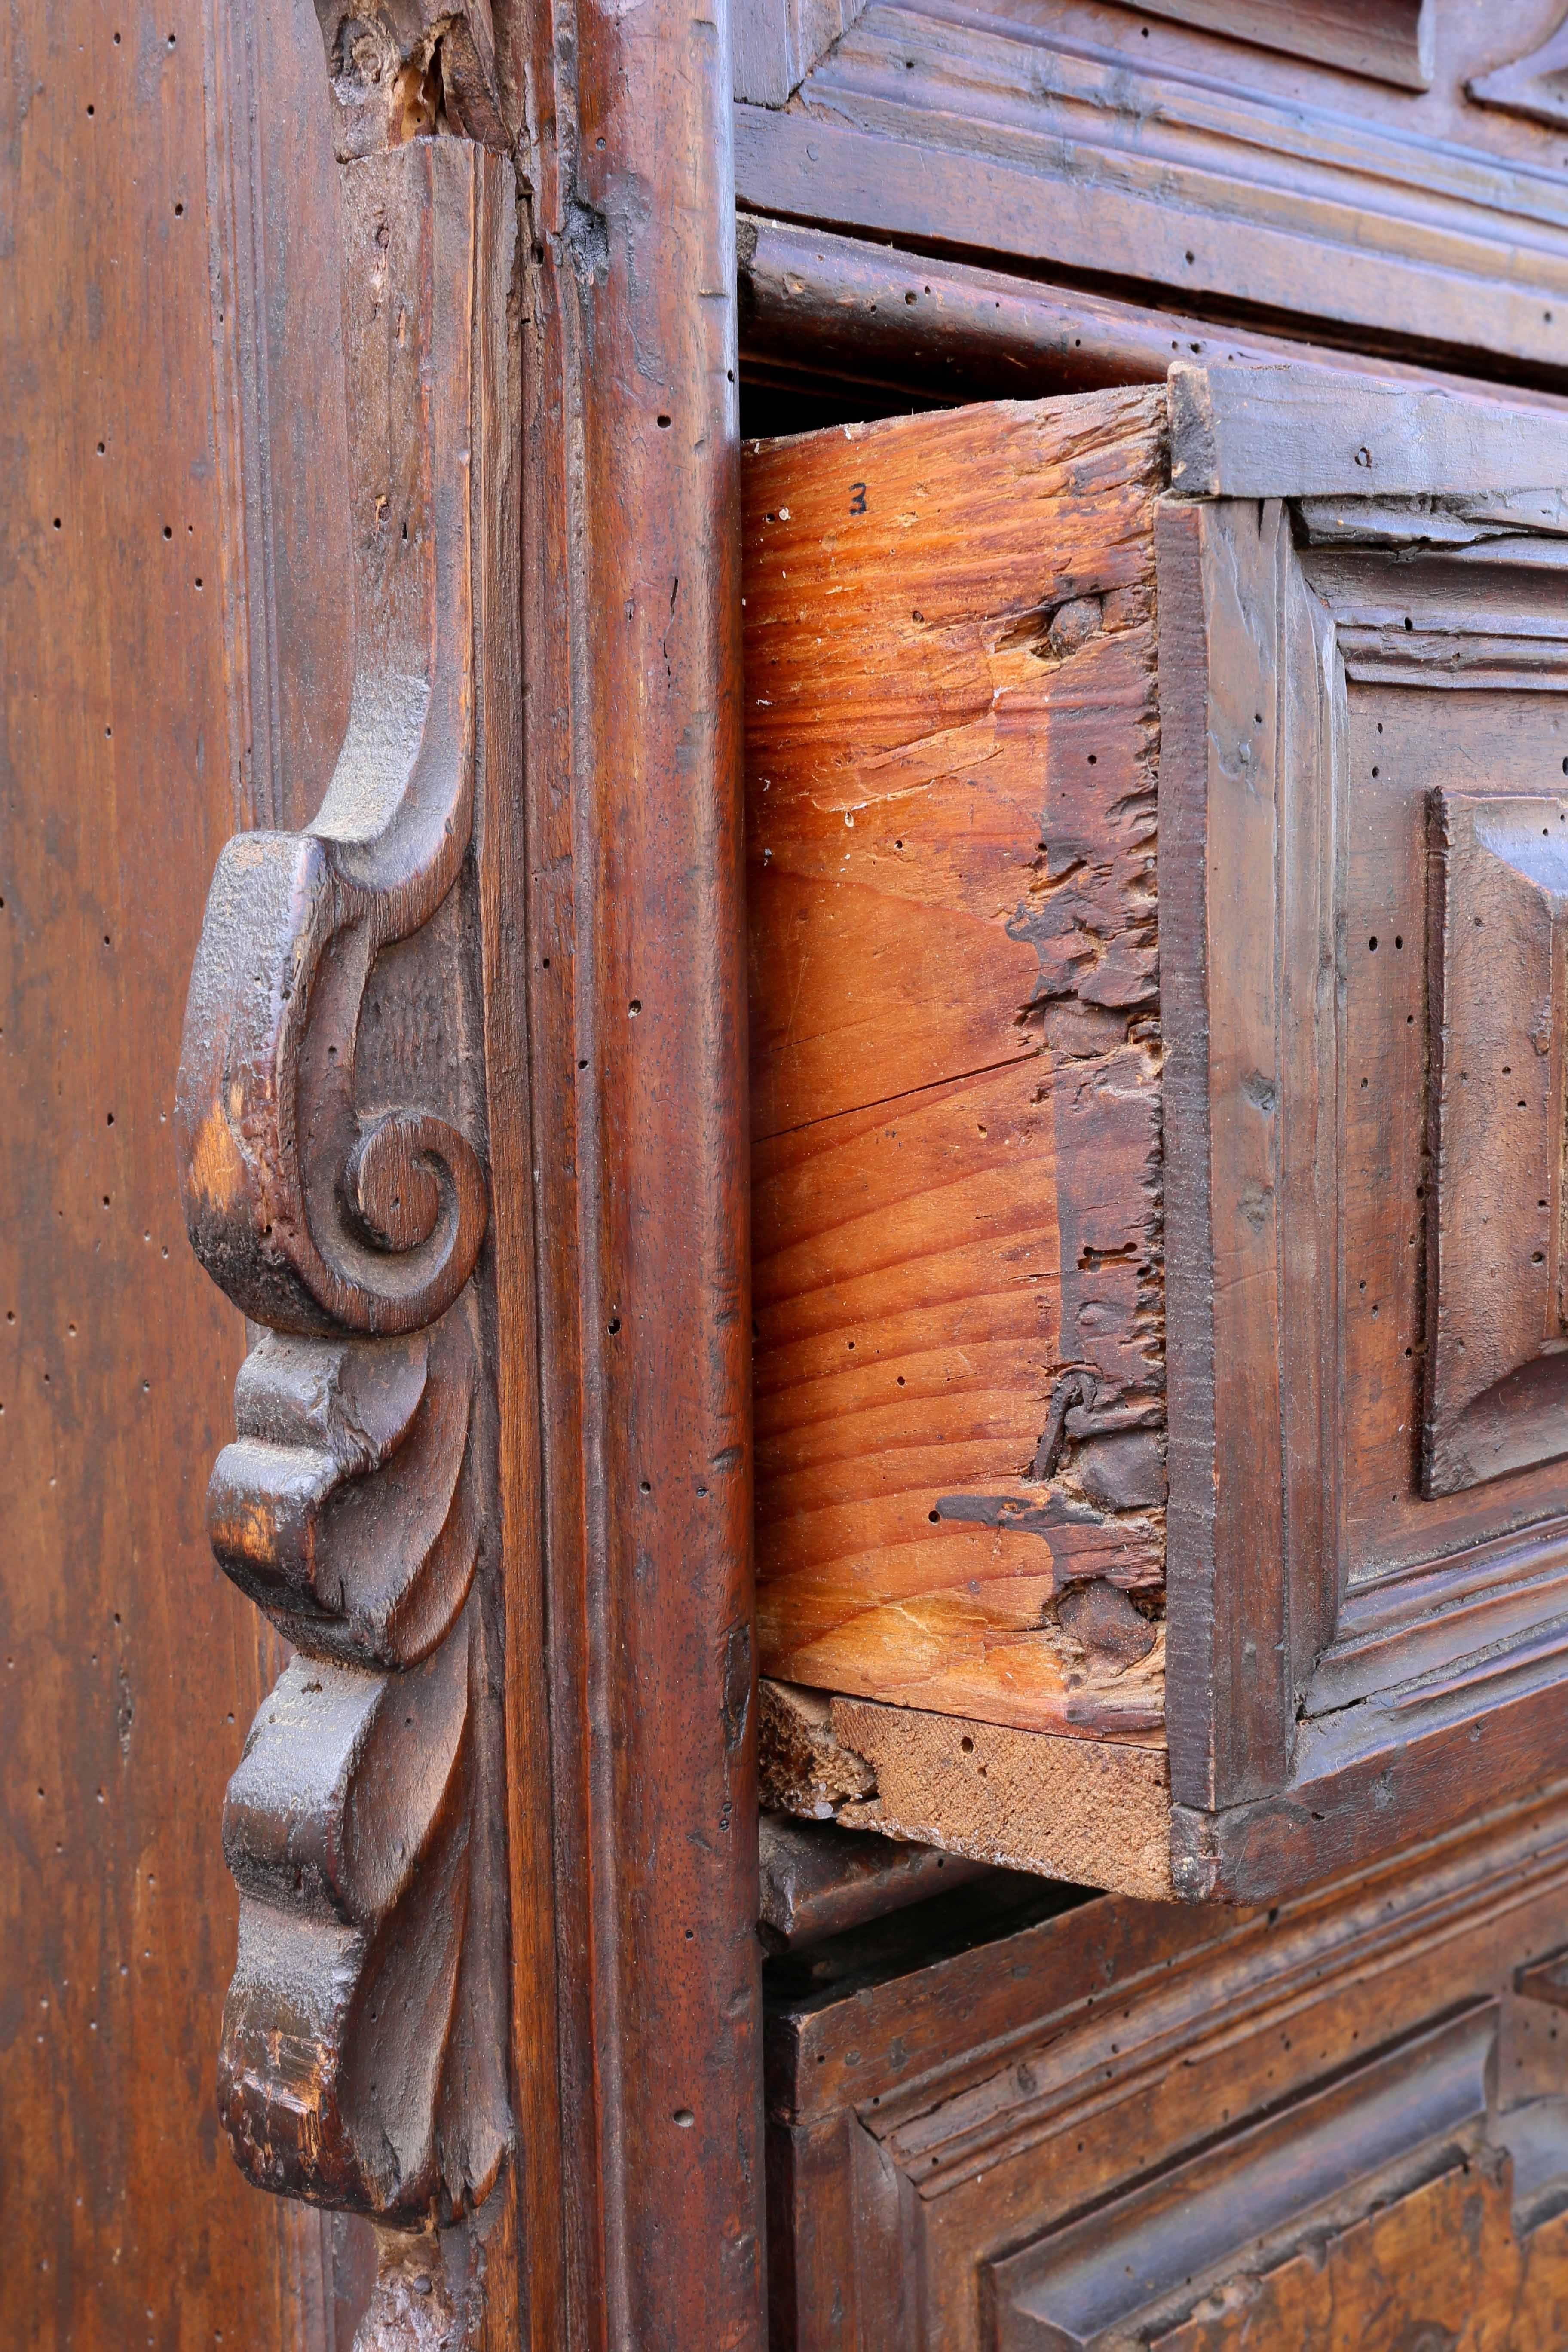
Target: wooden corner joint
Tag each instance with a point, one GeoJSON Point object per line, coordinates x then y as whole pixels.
{"type": "Point", "coordinates": [333, 1132]}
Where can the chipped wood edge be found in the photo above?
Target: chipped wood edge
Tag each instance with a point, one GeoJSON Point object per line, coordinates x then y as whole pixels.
{"type": "Point", "coordinates": [1095, 1813]}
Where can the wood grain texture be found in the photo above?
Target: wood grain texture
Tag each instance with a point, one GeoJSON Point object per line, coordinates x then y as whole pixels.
{"type": "Point", "coordinates": [777, 42]}
{"type": "Point", "coordinates": [1388, 40]}
{"type": "Point", "coordinates": [1495, 1272]}
{"type": "Point", "coordinates": [650, 2231]}
{"type": "Point", "coordinates": [1128, 2121]}
{"type": "Point", "coordinates": [130, 1667]}
{"type": "Point", "coordinates": [1448, 2249]}
{"type": "Point", "coordinates": [331, 1119]}
{"type": "Point", "coordinates": [1073, 146]}
{"type": "Point", "coordinates": [820, 311]}
{"type": "Point", "coordinates": [816, 1882]}
{"type": "Point", "coordinates": [955, 1222]}
{"type": "Point", "coordinates": [1288, 432]}
{"type": "Point", "coordinates": [1222, 572]}
{"type": "Point", "coordinates": [1092, 1813]}
{"type": "Point", "coordinates": [1095, 1815]}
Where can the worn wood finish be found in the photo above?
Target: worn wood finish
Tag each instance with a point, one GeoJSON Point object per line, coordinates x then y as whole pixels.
{"type": "Point", "coordinates": [820, 1881]}
{"type": "Point", "coordinates": [828, 316]}
{"type": "Point", "coordinates": [636, 998]}
{"type": "Point", "coordinates": [330, 1049]}
{"type": "Point", "coordinates": [950, 762]}
{"type": "Point", "coordinates": [1285, 432]}
{"type": "Point", "coordinates": [1319, 1627]}
{"type": "Point", "coordinates": [1388, 40]}
{"type": "Point", "coordinates": [1073, 147]}
{"type": "Point", "coordinates": [1094, 1813]}
{"type": "Point", "coordinates": [1125, 2124]}
{"type": "Point", "coordinates": [1530, 85]}
{"type": "Point", "coordinates": [777, 42]}
{"type": "Point", "coordinates": [1407, 1623]}
{"type": "Point", "coordinates": [1495, 1275]}
{"type": "Point", "coordinates": [130, 1668]}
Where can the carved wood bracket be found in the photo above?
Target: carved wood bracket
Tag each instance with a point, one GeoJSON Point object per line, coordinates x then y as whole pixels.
{"type": "Point", "coordinates": [333, 1134]}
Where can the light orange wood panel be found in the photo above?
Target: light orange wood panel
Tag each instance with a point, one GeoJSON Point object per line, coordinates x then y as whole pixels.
{"type": "Point", "coordinates": [949, 714]}
{"type": "Point", "coordinates": [909, 1301]}
{"type": "Point", "coordinates": [950, 748]}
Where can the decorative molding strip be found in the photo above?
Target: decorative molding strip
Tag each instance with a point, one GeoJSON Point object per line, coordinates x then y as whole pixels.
{"type": "Point", "coordinates": [1386, 40]}
{"type": "Point", "coordinates": [332, 1133]}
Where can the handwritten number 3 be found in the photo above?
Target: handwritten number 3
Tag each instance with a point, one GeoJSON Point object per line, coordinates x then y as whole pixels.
{"type": "Point", "coordinates": [858, 497]}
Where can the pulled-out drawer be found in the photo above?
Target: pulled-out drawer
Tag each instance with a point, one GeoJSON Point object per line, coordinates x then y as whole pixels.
{"type": "Point", "coordinates": [1158, 809]}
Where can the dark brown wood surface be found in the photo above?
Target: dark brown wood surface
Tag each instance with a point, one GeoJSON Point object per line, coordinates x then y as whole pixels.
{"type": "Point", "coordinates": [130, 1667]}
{"type": "Point", "coordinates": [1339, 2121]}
{"type": "Point", "coordinates": [828, 317]}
{"type": "Point", "coordinates": [1154, 156]}
{"type": "Point", "coordinates": [650, 2231]}
{"type": "Point", "coordinates": [1495, 1393]}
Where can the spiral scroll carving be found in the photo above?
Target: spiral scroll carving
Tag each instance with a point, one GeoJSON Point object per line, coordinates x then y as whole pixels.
{"type": "Point", "coordinates": [332, 1132]}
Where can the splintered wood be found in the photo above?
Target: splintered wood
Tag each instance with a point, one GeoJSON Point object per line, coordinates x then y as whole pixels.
{"type": "Point", "coordinates": [951, 740]}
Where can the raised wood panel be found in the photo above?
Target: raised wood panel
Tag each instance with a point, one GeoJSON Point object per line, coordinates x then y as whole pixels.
{"type": "Point", "coordinates": [1335, 2122]}
{"type": "Point", "coordinates": [1444, 2253]}
{"type": "Point", "coordinates": [949, 748]}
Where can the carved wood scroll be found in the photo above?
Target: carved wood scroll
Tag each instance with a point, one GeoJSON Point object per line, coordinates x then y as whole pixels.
{"type": "Point", "coordinates": [332, 1132]}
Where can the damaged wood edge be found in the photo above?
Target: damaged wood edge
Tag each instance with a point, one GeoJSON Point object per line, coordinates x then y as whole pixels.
{"type": "Point", "coordinates": [407, 68]}
{"type": "Point", "coordinates": [1092, 1812]}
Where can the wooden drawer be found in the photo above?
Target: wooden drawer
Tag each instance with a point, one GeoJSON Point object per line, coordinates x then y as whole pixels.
{"type": "Point", "coordinates": [1114, 2125]}
{"type": "Point", "coordinates": [1157, 815]}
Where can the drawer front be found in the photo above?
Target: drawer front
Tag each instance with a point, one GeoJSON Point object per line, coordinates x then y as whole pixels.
{"type": "Point", "coordinates": [1341, 2120]}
